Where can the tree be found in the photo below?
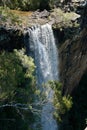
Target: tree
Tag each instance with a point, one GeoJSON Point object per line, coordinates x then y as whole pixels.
{"type": "Point", "coordinates": [15, 69]}
{"type": "Point", "coordinates": [62, 103]}
{"type": "Point", "coordinates": [29, 4]}
{"type": "Point", "coordinates": [17, 87]}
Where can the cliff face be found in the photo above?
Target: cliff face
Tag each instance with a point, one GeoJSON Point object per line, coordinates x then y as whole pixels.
{"type": "Point", "coordinates": [73, 56]}
{"type": "Point", "coordinates": [84, 16]}
{"type": "Point", "coordinates": [10, 38]}
{"type": "Point", "coordinates": [73, 61]}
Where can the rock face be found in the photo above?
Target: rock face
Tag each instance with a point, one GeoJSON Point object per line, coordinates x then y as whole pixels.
{"type": "Point", "coordinates": [73, 61]}
{"type": "Point", "coordinates": [73, 57]}
{"type": "Point", "coordinates": [84, 17]}
{"type": "Point", "coordinates": [10, 39]}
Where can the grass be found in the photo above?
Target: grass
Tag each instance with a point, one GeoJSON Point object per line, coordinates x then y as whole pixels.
{"type": "Point", "coordinates": [13, 17]}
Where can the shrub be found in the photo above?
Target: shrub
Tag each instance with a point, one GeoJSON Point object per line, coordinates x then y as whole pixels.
{"type": "Point", "coordinates": [17, 90]}
{"type": "Point", "coordinates": [8, 16]}
{"type": "Point", "coordinates": [30, 4]}
{"type": "Point", "coordinates": [62, 103]}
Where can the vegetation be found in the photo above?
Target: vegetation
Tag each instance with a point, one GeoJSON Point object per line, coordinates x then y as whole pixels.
{"type": "Point", "coordinates": [17, 90]}
{"type": "Point", "coordinates": [9, 17]}
{"type": "Point", "coordinates": [65, 21]}
{"type": "Point", "coordinates": [62, 103]}
{"type": "Point", "coordinates": [29, 4]}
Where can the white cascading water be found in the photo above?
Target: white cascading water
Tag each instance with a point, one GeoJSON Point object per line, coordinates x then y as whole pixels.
{"type": "Point", "coordinates": [42, 43]}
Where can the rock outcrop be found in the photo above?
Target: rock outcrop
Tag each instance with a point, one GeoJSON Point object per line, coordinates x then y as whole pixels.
{"type": "Point", "coordinates": [11, 38]}
{"type": "Point", "coordinates": [73, 61]}
{"type": "Point", "coordinates": [84, 16]}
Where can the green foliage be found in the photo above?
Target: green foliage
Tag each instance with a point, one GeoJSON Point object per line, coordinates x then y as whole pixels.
{"type": "Point", "coordinates": [21, 4]}
{"type": "Point", "coordinates": [15, 69]}
{"type": "Point", "coordinates": [17, 86]}
{"type": "Point", "coordinates": [53, 3]}
{"type": "Point", "coordinates": [8, 16]}
{"type": "Point", "coordinates": [62, 103]}
{"type": "Point", "coordinates": [29, 4]}
{"type": "Point", "coordinates": [27, 62]}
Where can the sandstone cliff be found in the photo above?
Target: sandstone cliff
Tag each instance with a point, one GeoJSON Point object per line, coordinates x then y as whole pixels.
{"type": "Point", "coordinates": [73, 61]}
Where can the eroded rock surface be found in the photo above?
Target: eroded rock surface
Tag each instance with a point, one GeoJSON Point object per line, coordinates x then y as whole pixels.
{"type": "Point", "coordinates": [73, 61]}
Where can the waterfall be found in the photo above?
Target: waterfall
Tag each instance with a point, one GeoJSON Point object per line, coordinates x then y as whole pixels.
{"type": "Point", "coordinates": [42, 46]}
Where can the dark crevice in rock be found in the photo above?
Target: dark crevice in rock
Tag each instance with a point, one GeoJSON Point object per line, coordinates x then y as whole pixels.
{"type": "Point", "coordinates": [11, 39]}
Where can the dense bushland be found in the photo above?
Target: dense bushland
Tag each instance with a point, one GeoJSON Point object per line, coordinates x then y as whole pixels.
{"type": "Point", "coordinates": [62, 103]}
{"type": "Point", "coordinates": [29, 4]}
{"type": "Point", "coordinates": [17, 90]}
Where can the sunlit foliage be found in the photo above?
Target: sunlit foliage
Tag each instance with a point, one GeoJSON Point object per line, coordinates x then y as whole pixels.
{"type": "Point", "coordinates": [16, 69]}
{"type": "Point", "coordinates": [62, 103]}
{"type": "Point", "coordinates": [17, 89]}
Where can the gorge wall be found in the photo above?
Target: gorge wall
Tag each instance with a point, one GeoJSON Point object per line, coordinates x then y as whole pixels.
{"type": "Point", "coordinates": [73, 56]}
{"type": "Point", "coordinates": [73, 61]}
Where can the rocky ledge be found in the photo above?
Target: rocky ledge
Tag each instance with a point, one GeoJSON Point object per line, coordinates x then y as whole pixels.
{"type": "Point", "coordinates": [13, 23]}
{"type": "Point", "coordinates": [57, 17]}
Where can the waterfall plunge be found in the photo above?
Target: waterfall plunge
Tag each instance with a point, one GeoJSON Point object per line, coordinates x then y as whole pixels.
{"type": "Point", "coordinates": [42, 45]}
